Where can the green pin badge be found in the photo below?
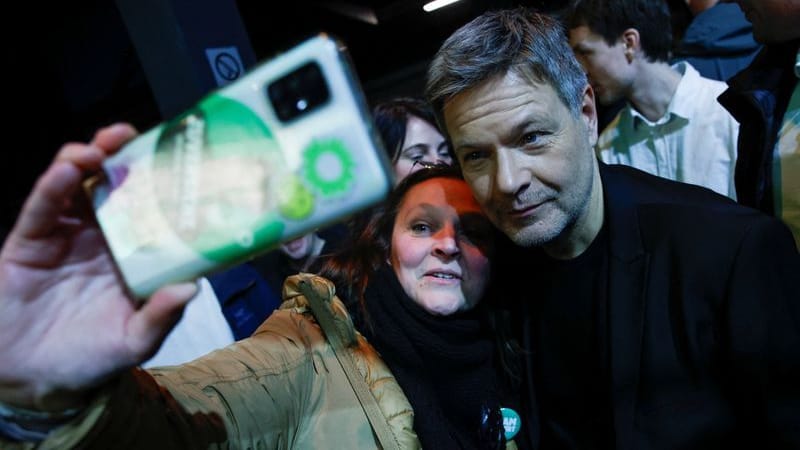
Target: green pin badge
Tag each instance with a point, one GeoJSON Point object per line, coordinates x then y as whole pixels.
{"type": "Point", "coordinates": [511, 422]}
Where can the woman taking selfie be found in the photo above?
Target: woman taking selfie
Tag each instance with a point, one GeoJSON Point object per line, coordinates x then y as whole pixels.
{"type": "Point", "coordinates": [70, 339]}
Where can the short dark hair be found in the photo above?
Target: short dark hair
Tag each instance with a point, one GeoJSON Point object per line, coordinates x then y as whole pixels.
{"type": "Point", "coordinates": [391, 118]}
{"type": "Point", "coordinates": [530, 44]}
{"type": "Point", "coordinates": [610, 18]}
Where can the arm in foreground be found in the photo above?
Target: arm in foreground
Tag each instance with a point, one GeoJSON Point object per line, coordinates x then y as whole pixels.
{"type": "Point", "coordinates": [66, 323]}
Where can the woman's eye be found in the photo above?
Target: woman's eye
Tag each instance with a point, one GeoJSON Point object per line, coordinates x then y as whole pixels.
{"type": "Point", "coordinates": [414, 154]}
{"type": "Point", "coordinates": [420, 227]}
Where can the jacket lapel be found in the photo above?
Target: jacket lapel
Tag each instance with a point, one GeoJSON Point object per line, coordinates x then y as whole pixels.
{"type": "Point", "coordinates": [628, 269]}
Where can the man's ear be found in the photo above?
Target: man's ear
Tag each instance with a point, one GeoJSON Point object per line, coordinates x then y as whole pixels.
{"type": "Point", "coordinates": [631, 41]}
{"type": "Point", "coordinates": [589, 114]}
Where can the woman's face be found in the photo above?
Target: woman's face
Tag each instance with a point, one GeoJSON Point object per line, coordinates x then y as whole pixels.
{"type": "Point", "coordinates": [441, 243]}
{"type": "Point", "coordinates": [299, 248]}
{"type": "Point", "coordinates": [422, 142]}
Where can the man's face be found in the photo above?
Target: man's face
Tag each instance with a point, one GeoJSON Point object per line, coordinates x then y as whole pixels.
{"type": "Point", "coordinates": [610, 73]}
{"type": "Point", "coordinates": [773, 20]}
{"type": "Point", "coordinates": [529, 162]}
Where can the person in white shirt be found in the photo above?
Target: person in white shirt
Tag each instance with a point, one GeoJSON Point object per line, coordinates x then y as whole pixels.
{"type": "Point", "coordinates": [186, 342]}
{"type": "Point", "coordinates": [672, 125]}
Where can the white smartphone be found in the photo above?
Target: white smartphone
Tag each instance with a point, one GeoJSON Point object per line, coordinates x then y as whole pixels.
{"type": "Point", "coordinates": [287, 148]}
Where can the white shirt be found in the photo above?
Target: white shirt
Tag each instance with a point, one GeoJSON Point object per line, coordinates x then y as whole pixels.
{"type": "Point", "coordinates": [202, 328]}
{"type": "Point", "coordinates": [694, 142]}
{"type": "Point", "coordinates": [786, 164]}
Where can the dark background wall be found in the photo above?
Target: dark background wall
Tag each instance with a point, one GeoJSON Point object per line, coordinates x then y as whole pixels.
{"type": "Point", "coordinates": [74, 66]}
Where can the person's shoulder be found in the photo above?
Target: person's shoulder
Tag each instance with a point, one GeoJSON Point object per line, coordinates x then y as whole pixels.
{"type": "Point", "coordinates": [669, 208]}
{"type": "Point", "coordinates": [628, 185]}
{"type": "Point", "coordinates": [700, 87]}
{"type": "Point", "coordinates": [710, 239]}
{"type": "Point", "coordinates": [711, 220]}
{"type": "Point", "coordinates": [711, 87]}
{"type": "Point", "coordinates": [297, 307]}
{"type": "Point", "coordinates": [773, 64]}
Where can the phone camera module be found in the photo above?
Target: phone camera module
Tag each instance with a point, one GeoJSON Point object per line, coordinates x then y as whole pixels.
{"type": "Point", "coordinates": [299, 92]}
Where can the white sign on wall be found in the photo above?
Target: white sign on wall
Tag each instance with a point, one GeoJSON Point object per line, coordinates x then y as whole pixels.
{"type": "Point", "coordinates": [226, 64]}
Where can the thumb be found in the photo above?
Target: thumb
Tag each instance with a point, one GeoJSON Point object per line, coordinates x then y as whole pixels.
{"type": "Point", "coordinates": [151, 324]}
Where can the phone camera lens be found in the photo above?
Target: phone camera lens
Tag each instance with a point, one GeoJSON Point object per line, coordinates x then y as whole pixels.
{"type": "Point", "coordinates": [299, 92]}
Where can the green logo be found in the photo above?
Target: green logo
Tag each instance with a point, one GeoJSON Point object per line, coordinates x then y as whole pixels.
{"type": "Point", "coordinates": [328, 166]}
{"type": "Point", "coordinates": [295, 201]}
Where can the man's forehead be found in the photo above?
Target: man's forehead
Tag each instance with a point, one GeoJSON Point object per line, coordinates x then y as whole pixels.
{"type": "Point", "coordinates": [503, 93]}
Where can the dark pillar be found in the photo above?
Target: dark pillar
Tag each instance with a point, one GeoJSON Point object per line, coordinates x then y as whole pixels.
{"type": "Point", "coordinates": [187, 48]}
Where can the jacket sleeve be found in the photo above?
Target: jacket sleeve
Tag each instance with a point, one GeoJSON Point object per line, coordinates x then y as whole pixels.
{"type": "Point", "coordinates": [280, 388]}
{"type": "Point", "coordinates": [763, 317]}
{"type": "Point", "coordinates": [254, 394]}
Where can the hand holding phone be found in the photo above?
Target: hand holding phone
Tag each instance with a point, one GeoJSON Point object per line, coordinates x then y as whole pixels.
{"type": "Point", "coordinates": [288, 148]}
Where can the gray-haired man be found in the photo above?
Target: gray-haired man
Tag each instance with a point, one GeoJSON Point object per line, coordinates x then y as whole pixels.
{"type": "Point", "coordinates": [654, 314]}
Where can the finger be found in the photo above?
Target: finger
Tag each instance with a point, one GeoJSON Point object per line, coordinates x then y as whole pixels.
{"type": "Point", "coordinates": [54, 189]}
{"type": "Point", "coordinates": [111, 138]}
{"type": "Point", "coordinates": [105, 142]}
{"type": "Point", "coordinates": [50, 196]}
{"type": "Point", "coordinates": [86, 157]}
{"type": "Point", "coordinates": [149, 326]}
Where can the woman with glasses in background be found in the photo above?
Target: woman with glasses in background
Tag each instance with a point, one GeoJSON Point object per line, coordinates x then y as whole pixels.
{"type": "Point", "coordinates": [410, 135]}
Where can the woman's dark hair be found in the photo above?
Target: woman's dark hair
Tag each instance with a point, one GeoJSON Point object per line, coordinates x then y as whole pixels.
{"type": "Point", "coordinates": [371, 239]}
{"type": "Point", "coordinates": [370, 246]}
{"type": "Point", "coordinates": [391, 118]}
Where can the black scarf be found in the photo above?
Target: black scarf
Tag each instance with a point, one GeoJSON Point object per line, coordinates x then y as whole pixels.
{"type": "Point", "coordinates": [444, 364]}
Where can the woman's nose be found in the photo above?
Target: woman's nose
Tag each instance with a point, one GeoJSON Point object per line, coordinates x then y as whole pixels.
{"type": "Point", "coordinates": [446, 244]}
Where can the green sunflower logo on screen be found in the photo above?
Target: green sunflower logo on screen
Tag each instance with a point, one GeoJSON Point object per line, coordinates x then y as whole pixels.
{"type": "Point", "coordinates": [328, 167]}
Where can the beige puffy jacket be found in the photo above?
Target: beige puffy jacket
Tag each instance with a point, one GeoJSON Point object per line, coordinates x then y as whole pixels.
{"type": "Point", "coordinates": [280, 388]}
